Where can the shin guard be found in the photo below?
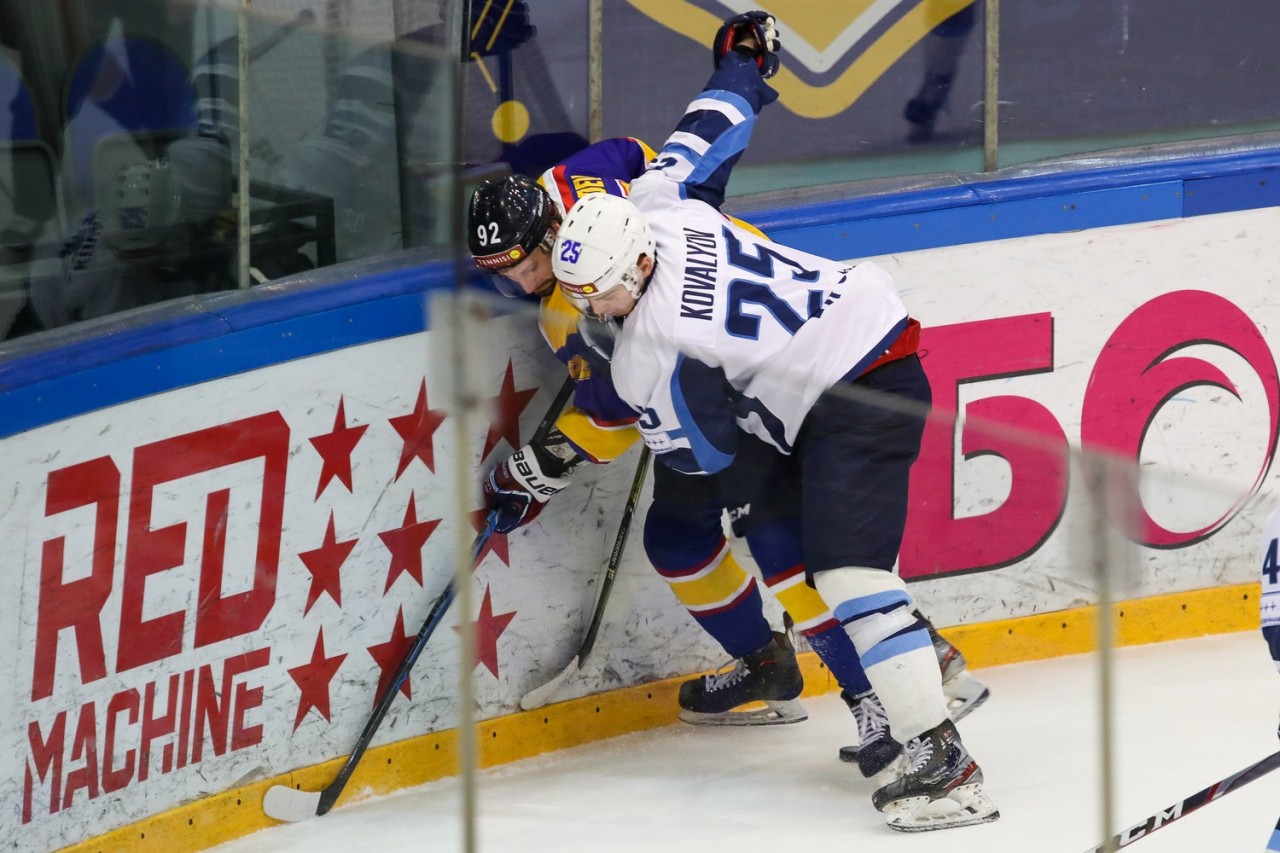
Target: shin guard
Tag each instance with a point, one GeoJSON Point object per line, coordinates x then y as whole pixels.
{"type": "Point", "coordinates": [876, 611]}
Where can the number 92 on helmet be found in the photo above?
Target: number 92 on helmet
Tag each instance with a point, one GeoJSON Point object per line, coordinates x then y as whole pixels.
{"type": "Point", "coordinates": [508, 220]}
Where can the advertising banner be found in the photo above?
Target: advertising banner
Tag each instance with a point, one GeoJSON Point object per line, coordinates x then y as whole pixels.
{"type": "Point", "coordinates": [209, 585]}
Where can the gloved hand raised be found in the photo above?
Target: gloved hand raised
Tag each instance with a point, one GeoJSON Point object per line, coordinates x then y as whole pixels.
{"type": "Point", "coordinates": [752, 33]}
{"type": "Point", "coordinates": [519, 488]}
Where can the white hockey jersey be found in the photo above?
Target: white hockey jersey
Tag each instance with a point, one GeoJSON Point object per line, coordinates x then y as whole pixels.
{"type": "Point", "coordinates": [735, 330]}
{"type": "Point", "coordinates": [1270, 561]}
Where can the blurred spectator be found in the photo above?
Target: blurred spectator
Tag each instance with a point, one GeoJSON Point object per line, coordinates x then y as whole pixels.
{"type": "Point", "coordinates": [354, 158]}
{"type": "Point", "coordinates": [160, 230]}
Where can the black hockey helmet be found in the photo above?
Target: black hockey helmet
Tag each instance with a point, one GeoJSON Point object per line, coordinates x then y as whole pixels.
{"type": "Point", "coordinates": [509, 217]}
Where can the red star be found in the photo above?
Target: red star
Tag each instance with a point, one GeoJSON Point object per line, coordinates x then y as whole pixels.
{"type": "Point", "coordinates": [417, 429]}
{"type": "Point", "coordinates": [335, 449]}
{"type": "Point", "coordinates": [313, 680]}
{"type": "Point", "coordinates": [489, 628]}
{"type": "Point", "coordinates": [497, 543]}
{"type": "Point", "coordinates": [325, 563]}
{"type": "Point", "coordinates": [405, 544]}
{"type": "Point", "coordinates": [389, 654]}
{"type": "Point", "coordinates": [507, 405]}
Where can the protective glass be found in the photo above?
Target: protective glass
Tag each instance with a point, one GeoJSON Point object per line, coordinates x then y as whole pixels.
{"type": "Point", "coordinates": [508, 287]}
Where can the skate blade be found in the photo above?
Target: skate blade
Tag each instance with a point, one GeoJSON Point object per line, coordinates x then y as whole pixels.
{"type": "Point", "coordinates": [965, 806]}
{"type": "Point", "coordinates": [964, 694]}
{"type": "Point", "coordinates": [770, 713]}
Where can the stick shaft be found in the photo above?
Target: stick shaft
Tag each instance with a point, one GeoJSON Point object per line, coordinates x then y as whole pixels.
{"type": "Point", "coordinates": [334, 789]}
{"type": "Point", "coordinates": [1186, 806]}
{"type": "Point", "coordinates": [538, 696]}
{"type": "Point", "coordinates": [330, 794]}
{"type": "Point", "coordinates": [619, 544]}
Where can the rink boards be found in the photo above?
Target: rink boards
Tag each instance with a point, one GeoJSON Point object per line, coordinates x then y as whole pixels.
{"type": "Point", "coordinates": [220, 537]}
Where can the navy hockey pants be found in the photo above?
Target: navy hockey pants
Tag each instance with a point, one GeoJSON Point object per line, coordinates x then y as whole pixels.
{"type": "Point", "coordinates": [855, 456]}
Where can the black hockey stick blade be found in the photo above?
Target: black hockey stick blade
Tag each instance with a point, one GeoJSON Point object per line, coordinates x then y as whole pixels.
{"type": "Point", "coordinates": [289, 804]}
{"type": "Point", "coordinates": [1186, 806]}
{"type": "Point", "coordinates": [538, 696]}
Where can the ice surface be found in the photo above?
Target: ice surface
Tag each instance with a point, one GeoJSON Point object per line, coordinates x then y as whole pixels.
{"type": "Point", "coordinates": [1189, 713]}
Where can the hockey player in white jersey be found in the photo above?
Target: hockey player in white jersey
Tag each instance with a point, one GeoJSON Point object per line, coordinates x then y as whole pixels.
{"type": "Point", "coordinates": [1270, 600]}
{"type": "Point", "coordinates": [513, 217]}
{"type": "Point", "coordinates": [818, 358]}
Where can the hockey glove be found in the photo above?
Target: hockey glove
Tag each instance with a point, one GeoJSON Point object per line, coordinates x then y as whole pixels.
{"type": "Point", "coordinates": [518, 489]}
{"type": "Point", "coordinates": [753, 34]}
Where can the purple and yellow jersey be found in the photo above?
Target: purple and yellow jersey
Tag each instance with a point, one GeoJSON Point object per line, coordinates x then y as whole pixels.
{"type": "Point", "coordinates": [608, 166]}
{"type": "Point", "coordinates": [599, 425]}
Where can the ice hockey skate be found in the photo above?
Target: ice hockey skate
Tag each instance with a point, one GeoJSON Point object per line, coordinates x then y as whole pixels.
{"type": "Point", "coordinates": [760, 690]}
{"type": "Point", "coordinates": [964, 692]}
{"type": "Point", "coordinates": [942, 787]}
{"type": "Point", "coordinates": [876, 750]}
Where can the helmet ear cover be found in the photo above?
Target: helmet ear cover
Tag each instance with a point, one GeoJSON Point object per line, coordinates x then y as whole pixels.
{"type": "Point", "coordinates": [508, 219]}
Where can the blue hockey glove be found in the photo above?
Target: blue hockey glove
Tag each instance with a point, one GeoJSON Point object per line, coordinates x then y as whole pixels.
{"type": "Point", "coordinates": [518, 489]}
{"type": "Point", "coordinates": [752, 33]}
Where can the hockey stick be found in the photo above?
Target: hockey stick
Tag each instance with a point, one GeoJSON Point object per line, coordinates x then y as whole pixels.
{"type": "Point", "coordinates": [1186, 806]}
{"type": "Point", "coordinates": [538, 696]}
{"type": "Point", "coordinates": [289, 804]}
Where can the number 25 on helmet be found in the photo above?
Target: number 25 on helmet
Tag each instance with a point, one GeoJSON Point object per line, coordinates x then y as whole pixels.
{"type": "Point", "coordinates": [598, 246]}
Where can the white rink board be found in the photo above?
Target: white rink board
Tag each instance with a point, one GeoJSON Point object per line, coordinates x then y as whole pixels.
{"type": "Point", "coordinates": [264, 635]}
{"type": "Point", "coordinates": [139, 483]}
{"type": "Point", "coordinates": [1206, 448]}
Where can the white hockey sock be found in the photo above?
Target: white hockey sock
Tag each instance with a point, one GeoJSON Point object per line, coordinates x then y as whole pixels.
{"type": "Point", "coordinates": [875, 609]}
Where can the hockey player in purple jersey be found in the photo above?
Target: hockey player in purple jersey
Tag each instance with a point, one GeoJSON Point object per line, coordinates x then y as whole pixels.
{"type": "Point", "coordinates": [727, 333]}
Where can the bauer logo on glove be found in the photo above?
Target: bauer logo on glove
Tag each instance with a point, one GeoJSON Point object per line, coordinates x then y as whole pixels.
{"type": "Point", "coordinates": [518, 489]}
{"type": "Point", "coordinates": [528, 472]}
{"type": "Point", "coordinates": [753, 34]}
